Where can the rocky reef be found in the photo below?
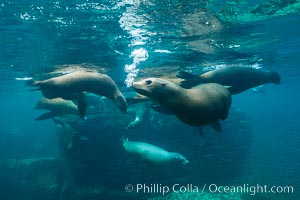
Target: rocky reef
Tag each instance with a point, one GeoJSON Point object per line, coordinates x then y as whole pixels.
{"type": "Point", "coordinates": [93, 165]}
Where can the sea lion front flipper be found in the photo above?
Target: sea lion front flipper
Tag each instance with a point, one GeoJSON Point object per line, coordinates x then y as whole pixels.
{"type": "Point", "coordinates": [48, 115]}
{"type": "Point", "coordinates": [216, 125]}
{"type": "Point", "coordinates": [81, 103]}
{"type": "Point", "coordinates": [161, 109]}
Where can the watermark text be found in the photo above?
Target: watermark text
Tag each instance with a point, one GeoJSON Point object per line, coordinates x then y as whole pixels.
{"type": "Point", "coordinates": [156, 188]}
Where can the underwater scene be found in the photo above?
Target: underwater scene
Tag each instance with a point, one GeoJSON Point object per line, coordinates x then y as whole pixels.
{"type": "Point", "coordinates": [150, 100]}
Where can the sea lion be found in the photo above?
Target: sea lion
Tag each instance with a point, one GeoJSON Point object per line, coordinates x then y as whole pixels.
{"type": "Point", "coordinates": [73, 85]}
{"type": "Point", "coordinates": [142, 111]}
{"type": "Point", "coordinates": [153, 154]}
{"type": "Point", "coordinates": [57, 107]}
{"type": "Point", "coordinates": [199, 106]}
{"type": "Point", "coordinates": [68, 133]}
{"type": "Point", "coordinates": [238, 79]}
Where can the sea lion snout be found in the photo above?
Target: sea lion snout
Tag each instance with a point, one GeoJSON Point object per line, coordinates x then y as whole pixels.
{"type": "Point", "coordinates": [139, 84]}
{"type": "Point", "coordinates": [180, 159]}
{"type": "Point", "coordinates": [140, 87]}
{"type": "Point", "coordinates": [135, 84]}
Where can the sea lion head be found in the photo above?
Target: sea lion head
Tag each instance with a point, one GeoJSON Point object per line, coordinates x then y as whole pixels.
{"type": "Point", "coordinates": [274, 77]}
{"type": "Point", "coordinates": [155, 88]}
{"type": "Point", "coordinates": [180, 159]}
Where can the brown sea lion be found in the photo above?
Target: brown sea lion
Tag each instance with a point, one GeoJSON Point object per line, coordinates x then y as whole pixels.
{"type": "Point", "coordinates": [238, 79]}
{"type": "Point", "coordinates": [56, 107]}
{"type": "Point", "coordinates": [201, 105]}
{"type": "Point", "coordinates": [73, 85]}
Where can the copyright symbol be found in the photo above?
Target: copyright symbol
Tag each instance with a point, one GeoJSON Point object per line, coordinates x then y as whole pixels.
{"type": "Point", "coordinates": [129, 188]}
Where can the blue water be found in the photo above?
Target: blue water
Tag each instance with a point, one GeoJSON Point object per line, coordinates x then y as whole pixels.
{"type": "Point", "coordinates": [259, 144]}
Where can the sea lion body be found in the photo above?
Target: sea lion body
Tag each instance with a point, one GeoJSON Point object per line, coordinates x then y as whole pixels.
{"type": "Point", "coordinates": [238, 79]}
{"type": "Point", "coordinates": [56, 107]}
{"type": "Point", "coordinates": [72, 86]}
{"type": "Point", "coordinates": [153, 154]}
{"type": "Point", "coordinates": [199, 106]}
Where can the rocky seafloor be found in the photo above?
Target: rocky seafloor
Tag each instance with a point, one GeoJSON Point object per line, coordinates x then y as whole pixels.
{"type": "Point", "coordinates": [93, 165]}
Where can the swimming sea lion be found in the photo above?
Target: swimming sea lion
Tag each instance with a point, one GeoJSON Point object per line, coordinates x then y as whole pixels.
{"type": "Point", "coordinates": [142, 111]}
{"type": "Point", "coordinates": [57, 107]}
{"type": "Point", "coordinates": [153, 154]}
{"type": "Point", "coordinates": [68, 134]}
{"type": "Point", "coordinates": [201, 105]}
{"type": "Point", "coordinates": [73, 85]}
{"type": "Point", "coordinates": [238, 79]}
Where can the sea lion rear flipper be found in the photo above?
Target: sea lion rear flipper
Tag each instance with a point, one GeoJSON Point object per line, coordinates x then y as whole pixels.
{"type": "Point", "coordinates": [187, 84]}
{"type": "Point", "coordinates": [185, 75]}
{"type": "Point", "coordinates": [48, 115]}
{"type": "Point", "coordinates": [216, 125]}
{"type": "Point", "coordinates": [190, 81]}
{"type": "Point", "coordinates": [32, 83]}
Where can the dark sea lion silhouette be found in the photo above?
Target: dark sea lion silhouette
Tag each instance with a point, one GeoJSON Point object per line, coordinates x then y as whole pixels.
{"type": "Point", "coordinates": [238, 79]}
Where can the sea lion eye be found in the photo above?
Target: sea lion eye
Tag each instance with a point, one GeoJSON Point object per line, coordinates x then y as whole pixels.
{"type": "Point", "coordinates": [148, 82]}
